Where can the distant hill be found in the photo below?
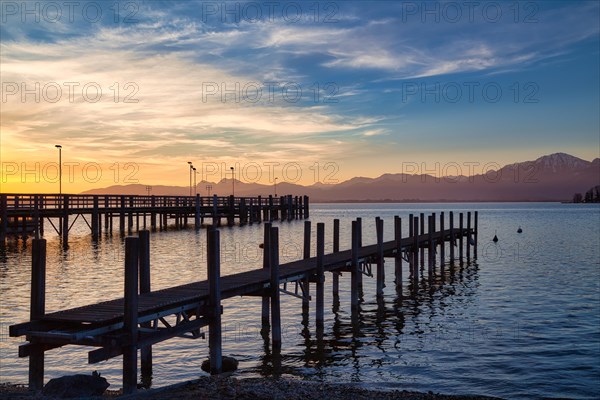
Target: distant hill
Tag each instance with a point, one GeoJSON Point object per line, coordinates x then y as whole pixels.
{"type": "Point", "coordinates": [553, 177]}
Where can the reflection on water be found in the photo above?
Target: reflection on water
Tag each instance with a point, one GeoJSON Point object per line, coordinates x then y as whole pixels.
{"type": "Point", "coordinates": [520, 321]}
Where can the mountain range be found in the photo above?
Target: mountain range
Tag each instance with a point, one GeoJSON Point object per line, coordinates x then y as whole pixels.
{"type": "Point", "coordinates": [554, 177]}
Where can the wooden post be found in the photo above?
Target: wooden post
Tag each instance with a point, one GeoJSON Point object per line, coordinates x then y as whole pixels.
{"type": "Point", "coordinates": [306, 283]}
{"type": "Point", "coordinates": [266, 264]}
{"type": "Point", "coordinates": [271, 217]}
{"type": "Point", "coordinates": [122, 217]}
{"type": "Point", "coordinates": [4, 217]}
{"type": "Point", "coordinates": [37, 310]}
{"type": "Point", "coordinates": [359, 237]}
{"type": "Point", "coordinates": [380, 260]}
{"type": "Point", "coordinates": [430, 257]}
{"type": "Point", "coordinates": [355, 270]}
{"type": "Point", "coordinates": [300, 207]}
{"type": "Point", "coordinates": [130, 324]}
{"type": "Point", "coordinates": [275, 306]}
{"type": "Point", "coordinates": [197, 222]}
{"type": "Point", "coordinates": [130, 216]}
{"type": "Point", "coordinates": [251, 211]}
{"type": "Point", "coordinates": [336, 249]}
{"type": "Point", "coordinates": [416, 244]}
{"type": "Point", "coordinates": [144, 271]}
{"type": "Point", "coordinates": [422, 232]}
{"type": "Point", "coordinates": [306, 207]}
{"type": "Point", "coordinates": [442, 241]}
{"type": "Point", "coordinates": [451, 237]}
{"type": "Point", "coordinates": [214, 301]}
{"type": "Point", "coordinates": [153, 213]}
{"type": "Point", "coordinates": [36, 216]}
{"type": "Point", "coordinates": [95, 218]}
{"type": "Point", "coordinates": [65, 221]}
{"type": "Point", "coordinates": [398, 258]}
{"type": "Point", "coordinates": [475, 234]}
{"type": "Point", "coordinates": [215, 211]}
{"type": "Point", "coordinates": [460, 237]}
{"type": "Point", "coordinates": [231, 215]}
{"type": "Point", "coordinates": [468, 235]}
{"type": "Point", "coordinates": [259, 210]}
{"type": "Point", "coordinates": [320, 303]}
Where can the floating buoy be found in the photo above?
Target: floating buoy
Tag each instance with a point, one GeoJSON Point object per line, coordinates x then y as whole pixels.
{"type": "Point", "coordinates": [495, 239]}
{"type": "Point", "coordinates": [519, 230]}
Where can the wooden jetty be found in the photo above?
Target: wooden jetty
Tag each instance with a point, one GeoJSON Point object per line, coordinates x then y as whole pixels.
{"type": "Point", "coordinates": [143, 317]}
{"type": "Point", "coordinates": [24, 214]}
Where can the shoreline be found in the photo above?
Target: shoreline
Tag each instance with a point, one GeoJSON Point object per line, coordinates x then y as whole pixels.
{"type": "Point", "coordinates": [226, 387]}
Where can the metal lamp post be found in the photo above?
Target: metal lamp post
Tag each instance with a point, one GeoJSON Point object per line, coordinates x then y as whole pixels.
{"type": "Point", "coordinates": [191, 166]}
{"type": "Point", "coordinates": [232, 181]}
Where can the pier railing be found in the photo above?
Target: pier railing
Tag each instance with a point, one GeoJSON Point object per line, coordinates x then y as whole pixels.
{"type": "Point", "coordinates": [24, 214]}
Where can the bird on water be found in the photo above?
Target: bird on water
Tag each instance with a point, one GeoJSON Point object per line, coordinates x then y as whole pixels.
{"type": "Point", "coordinates": [519, 230]}
{"type": "Point", "coordinates": [495, 239]}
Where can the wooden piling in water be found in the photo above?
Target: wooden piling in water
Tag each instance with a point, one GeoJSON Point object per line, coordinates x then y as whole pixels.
{"type": "Point", "coordinates": [37, 310]}
{"type": "Point", "coordinates": [452, 238]}
{"type": "Point", "coordinates": [443, 241]}
{"type": "Point", "coordinates": [380, 284]}
{"type": "Point", "coordinates": [4, 217]}
{"type": "Point", "coordinates": [359, 238]}
{"type": "Point", "coordinates": [275, 304]}
{"type": "Point", "coordinates": [306, 207]}
{"type": "Point", "coordinates": [145, 287]}
{"type": "Point", "coordinates": [468, 235]}
{"type": "Point", "coordinates": [336, 248]}
{"type": "Point", "coordinates": [65, 221]}
{"type": "Point", "coordinates": [422, 232]}
{"type": "Point", "coordinates": [197, 214]}
{"type": "Point", "coordinates": [398, 258]}
{"type": "Point", "coordinates": [355, 271]}
{"type": "Point", "coordinates": [122, 217]}
{"type": "Point", "coordinates": [306, 282]}
{"type": "Point", "coordinates": [320, 302]}
{"type": "Point", "coordinates": [475, 234]}
{"type": "Point", "coordinates": [266, 298]}
{"type": "Point", "coordinates": [460, 237]}
{"type": "Point", "coordinates": [431, 256]}
{"type": "Point", "coordinates": [215, 211]}
{"type": "Point", "coordinates": [416, 250]}
{"type": "Point", "coordinates": [130, 324]}
{"type": "Point", "coordinates": [214, 300]}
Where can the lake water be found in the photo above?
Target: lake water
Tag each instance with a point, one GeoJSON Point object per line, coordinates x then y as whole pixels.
{"type": "Point", "coordinates": [521, 321]}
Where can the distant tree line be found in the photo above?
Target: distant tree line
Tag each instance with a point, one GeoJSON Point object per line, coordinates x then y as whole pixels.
{"type": "Point", "coordinates": [591, 196]}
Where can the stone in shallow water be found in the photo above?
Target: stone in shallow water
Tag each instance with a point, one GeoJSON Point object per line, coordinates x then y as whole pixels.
{"type": "Point", "coordinates": [229, 364]}
{"type": "Point", "coordinates": [76, 386]}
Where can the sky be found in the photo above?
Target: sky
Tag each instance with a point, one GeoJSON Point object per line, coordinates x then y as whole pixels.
{"type": "Point", "coordinates": [306, 92]}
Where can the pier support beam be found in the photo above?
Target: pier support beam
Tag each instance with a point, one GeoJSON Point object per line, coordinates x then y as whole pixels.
{"type": "Point", "coordinates": [320, 303]}
{"type": "Point", "coordinates": [37, 311]}
{"type": "Point", "coordinates": [431, 256]}
{"type": "Point", "coordinates": [452, 238]}
{"type": "Point", "coordinates": [380, 259]}
{"type": "Point", "coordinates": [144, 271]}
{"type": "Point", "coordinates": [65, 221]}
{"type": "Point", "coordinates": [130, 324]}
{"type": "Point", "coordinates": [214, 301]}
{"type": "Point", "coordinates": [275, 305]}
{"type": "Point", "coordinates": [416, 250]}
{"type": "Point", "coordinates": [398, 258]}
{"type": "Point", "coordinates": [306, 282]}
{"type": "Point", "coordinates": [475, 234]}
{"type": "Point", "coordinates": [468, 235]}
{"type": "Point", "coordinates": [460, 237]}
{"type": "Point", "coordinates": [266, 264]}
{"type": "Point", "coordinates": [355, 268]}
{"type": "Point", "coordinates": [442, 242]}
{"type": "Point", "coordinates": [336, 248]}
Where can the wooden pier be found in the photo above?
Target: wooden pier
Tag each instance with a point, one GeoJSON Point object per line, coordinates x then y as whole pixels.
{"type": "Point", "coordinates": [143, 317]}
{"type": "Point", "coordinates": [25, 214]}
